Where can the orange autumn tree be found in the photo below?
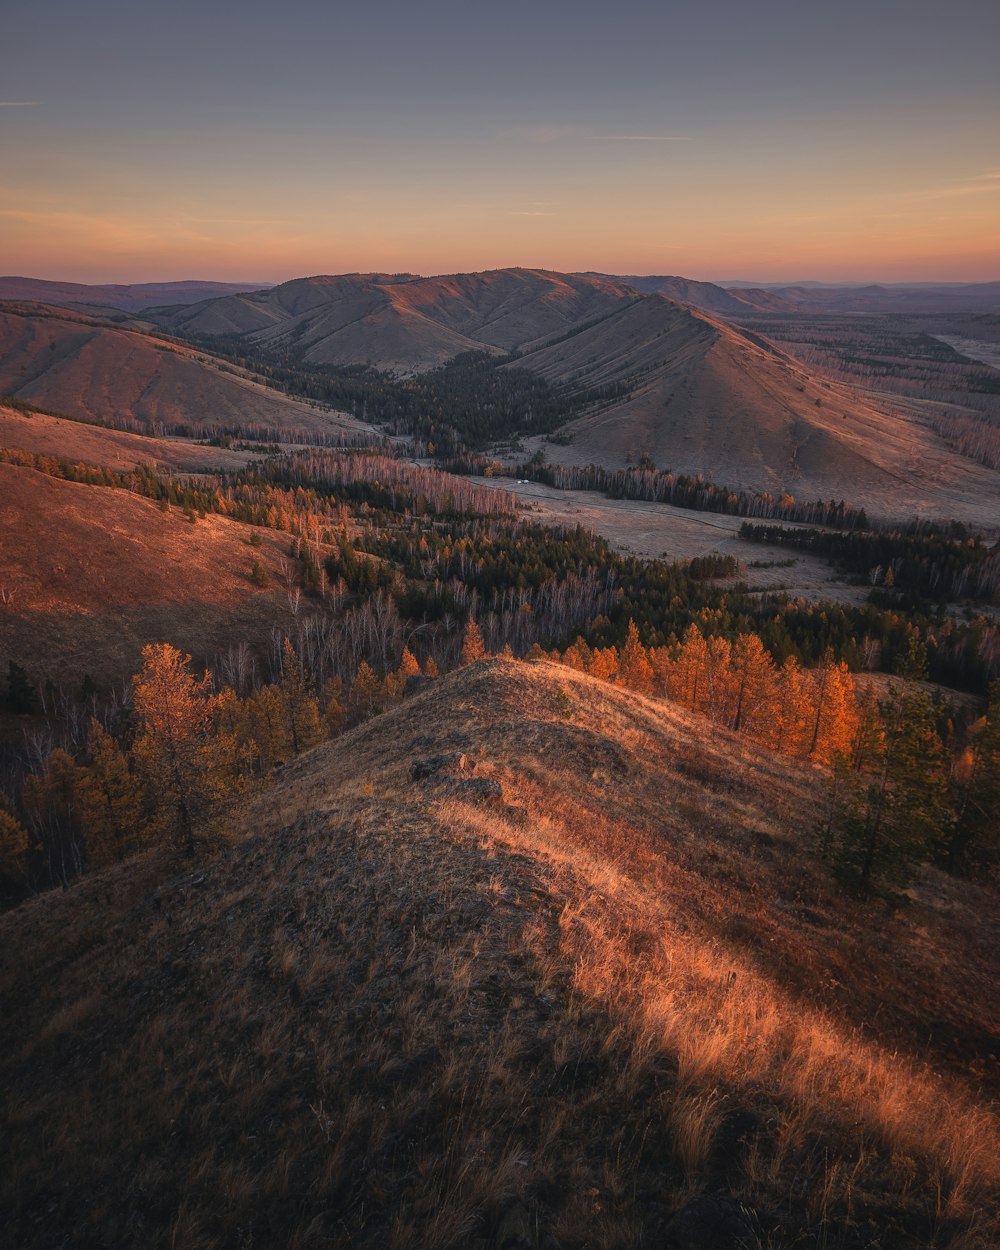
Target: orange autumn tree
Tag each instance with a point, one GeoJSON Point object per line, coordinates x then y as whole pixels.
{"type": "Point", "coordinates": [634, 668]}
{"type": "Point", "coordinates": [473, 647]}
{"type": "Point", "coordinates": [110, 798]}
{"type": "Point", "coordinates": [834, 719]}
{"type": "Point", "coordinates": [190, 767]}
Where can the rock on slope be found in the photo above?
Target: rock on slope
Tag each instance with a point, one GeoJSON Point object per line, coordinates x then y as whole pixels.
{"type": "Point", "coordinates": [613, 1006]}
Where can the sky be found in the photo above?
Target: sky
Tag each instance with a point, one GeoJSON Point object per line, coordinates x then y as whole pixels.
{"type": "Point", "coordinates": [761, 140]}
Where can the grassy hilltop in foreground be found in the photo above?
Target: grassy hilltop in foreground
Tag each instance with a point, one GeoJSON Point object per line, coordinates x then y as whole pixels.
{"type": "Point", "coordinates": [576, 979]}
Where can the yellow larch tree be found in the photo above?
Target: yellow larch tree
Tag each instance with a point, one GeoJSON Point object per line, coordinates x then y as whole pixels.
{"type": "Point", "coordinates": [110, 800]}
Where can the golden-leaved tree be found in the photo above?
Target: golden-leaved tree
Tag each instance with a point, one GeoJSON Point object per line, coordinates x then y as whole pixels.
{"type": "Point", "coordinates": [110, 798]}
{"type": "Point", "coordinates": [13, 851]}
{"type": "Point", "coordinates": [192, 768]}
{"type": "Point", "coordinates": [473, 647]}
{"type": "Point", "coordinates": [51, 804]}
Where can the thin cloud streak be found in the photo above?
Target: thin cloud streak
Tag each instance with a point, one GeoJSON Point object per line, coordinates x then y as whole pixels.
{"type": "Point", "coordinates": [239, 221]}
{"type": "Point", "coordinates": [18, 104]}
{"type": "Point", "coordinates": [652, 138]}
{"type": "Point", "coordinates": [986, 185]}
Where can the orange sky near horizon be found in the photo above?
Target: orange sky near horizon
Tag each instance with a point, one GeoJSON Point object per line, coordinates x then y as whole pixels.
{"type": "Point", "coordinates": [758, 141]}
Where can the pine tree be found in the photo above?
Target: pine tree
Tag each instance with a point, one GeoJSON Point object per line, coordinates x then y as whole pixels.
{"type": "Point", "coordinates": [688, 678]}
{"type": "Point", "coordinates": [974, 839]}
{"type": "Point", "coordinates": [789, 723]}
{"type": "Point", "coordinates": [51, 802]}
{"type": "Point", "coordinates": [913, 662]}
{"type": "Point", "coordinates": [891, 817]}
{"type": "Point", "coordinates": [334, 714]}
{"type": "Point", "coordinates": [754, 685]}
{"type": "Point", "coordinates": [13, 851]}
{"type": "Point", "coordinates": [577, 656]}
{"type": "Point", "coordinates": [634, 668]}
{"type": "Point", "coordinates": [174, 716]}
{"type": "Point", "coordinates": [21, 697]}
{"type": "Point", "coordinates": [110, 800]}
{"type": "Point", "coordinates": [473, 647]}
{"type": "Point", "coordinates": [835, 713]}
{"type": "Point", "coordinates": [408, 666]}
{"type": "Point", "coordinates": [603, 663]}
{"type": "Point", "coordinates": [364, 693]}
{"type": "Point", "coordinates": [719, 703]}
{"type": "Point", "coordinates": [301, 711]}
{"type": "Point", "coordinates": [267, 727]}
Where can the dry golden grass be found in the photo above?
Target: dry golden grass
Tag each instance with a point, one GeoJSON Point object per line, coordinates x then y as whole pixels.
{"type": "Point", "coordinates": [92, 444]}
{"type": "Point", "coordinates": [69, 362]}
{"type": "Point", "coordinates": [390, 1015]}
{"type": "Point", "coordinates": [92, 574]}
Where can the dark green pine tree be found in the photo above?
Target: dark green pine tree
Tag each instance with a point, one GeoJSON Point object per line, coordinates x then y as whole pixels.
{"type": "Point", "coordinates": [890, 813]}
{"type": "Point", "coordinates": [21, 696]}
{"type": "Point", "coordinates": [974, 839]}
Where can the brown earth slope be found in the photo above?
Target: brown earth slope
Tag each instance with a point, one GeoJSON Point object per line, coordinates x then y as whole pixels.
{"type": "Point", "coordinates": [706, 398]}
{"type": "Point", "coordinates": [89, 575]}
{"type": "Point", "coordinates": [84, 368]}
{"type": "Point", "coordinates": [580, 984]}
{"type": "Point", "coordinates": [45, 435]}
{"type": "Point", "coordinates": [407, 324]}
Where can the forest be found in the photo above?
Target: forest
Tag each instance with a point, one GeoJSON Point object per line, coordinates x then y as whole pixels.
{"type": "Point", "coordinates": [398, 572]}
{"type": "Point", "coordinates": [472, 401]}
{"type": "Point", "coordinates": [933, 567]}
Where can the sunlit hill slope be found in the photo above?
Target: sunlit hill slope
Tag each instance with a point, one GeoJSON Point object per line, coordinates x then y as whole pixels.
{"type": "Point", "coordinates": [85, 368]}
{"type": "Point", "coordinates": [527, 961]}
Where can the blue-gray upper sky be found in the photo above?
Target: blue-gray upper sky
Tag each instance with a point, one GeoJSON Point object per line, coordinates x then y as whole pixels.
{"type": "Point", "coordinates": [761, 140]}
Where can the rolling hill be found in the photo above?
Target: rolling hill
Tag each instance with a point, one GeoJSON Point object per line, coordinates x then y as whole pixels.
{"type": "Point", "coordinates": [82, 367]}
{"type": "Point", "coordinates": [45, 435]}
{"type": "Point", "coordinates": [901, 298]}
{"type": "Point", "coordinates": [133, 297]}
{"type": "Point", "coordinates": [707, 296]}
{"type": "Point", "coordinates": [708, 398]}
{"type": "Point", "coordinates": [703, 396]}
{"type": "Point", "coordinates": [529, 961]}
{"type": "Point", "coordinates": [402, 323]}
{"type": "Point", "coordinates": [92, 574]}
{"type": "Point", "coordinates": [743, 299]}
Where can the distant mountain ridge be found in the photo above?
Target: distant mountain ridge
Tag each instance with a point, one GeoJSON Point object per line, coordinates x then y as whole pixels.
{"type": "Point", "coordinates": [133, 297]}
{"type": "Point", "coordinates": [692, 389]}
{"type": "Point", "coordinates": [739, 299]}
{"type": "Point", "coordinates": [405, 324]}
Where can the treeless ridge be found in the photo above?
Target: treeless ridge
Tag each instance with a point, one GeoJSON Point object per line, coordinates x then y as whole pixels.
{"type": "Point", "coordinates": [71, 364]}
{"type": "Point", "coordinates": [706, 398]}
{"type": "Point", "coordinates": [403, 323]}
{"type": "Point", "coordinates": [92, 574]}
{"type": "Point", "coordinates": [618, 1000]}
